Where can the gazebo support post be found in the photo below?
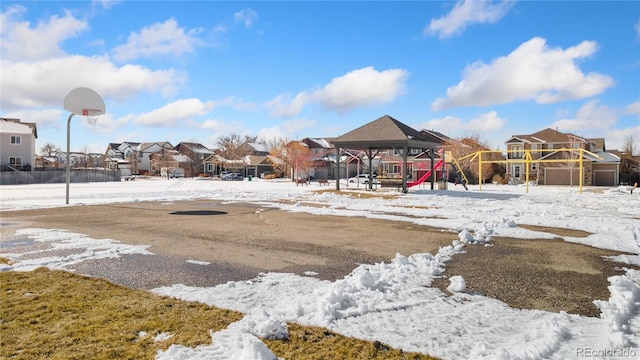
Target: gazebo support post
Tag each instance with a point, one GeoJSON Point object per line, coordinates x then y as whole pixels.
{"type": "Point", "coordinates": [433, 175]}
{"type": "Point", "coordinates": [337, 168]}
{"type": "Point", "coordinates": [405, 151]}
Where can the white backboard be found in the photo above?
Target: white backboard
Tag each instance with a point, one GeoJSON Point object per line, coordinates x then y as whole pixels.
{"type": "Point", "coordinates": [84, 101]}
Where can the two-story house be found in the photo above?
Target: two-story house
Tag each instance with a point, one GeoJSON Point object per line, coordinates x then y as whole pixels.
{"type": "Point", "coordinates": [123, 157]}
{"type": "Point", "coordinates": [17, 145]}
{"type": "Point", "coordinates": [551, 157]}
{"type": "Point", "coordinates": [322, 155]}
{"type": "Point", "coordinates": [197, 154]}
{"type": "Point", "coordinates": [143, 156]}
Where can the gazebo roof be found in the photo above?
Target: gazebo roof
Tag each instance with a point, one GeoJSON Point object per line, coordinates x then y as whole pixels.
{"type": "Point", "coordinates": [384, 133]}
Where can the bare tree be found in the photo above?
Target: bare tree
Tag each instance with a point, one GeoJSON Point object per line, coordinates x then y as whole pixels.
{"type": "Point", "coordinates": [164, 159]}
{"type": "Point", "coordinates": [278, 156]}
{"type": "Point", "coordinates": [468, 145]}
{"type": "Point", "coordinates": [571, 155]}
{"type": "Point", "coordinates": [293, 156]}
{"type": "Point", "coordinates": [49, 149]}
{"type": "Point", "coordinates": [233, 148]}
{"type": "Point", "coordinates": [627, 162]}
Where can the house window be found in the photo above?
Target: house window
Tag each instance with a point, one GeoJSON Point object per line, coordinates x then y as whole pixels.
{"type": "Point", "coordinates": [396, 152]}
{"type": "Point", "coordinates": [415, 151]}
{"type": "Point", "coordinates": [209, 167]}
{"type": "Point", "coordinates": [394, 169]}
{"type": "Point", "coordinates": [534, 166]}
{"type": "Point", "coordinates": [516, 151]}
{"type": "Point", "coordinates": [516, 171]}
{"type": "Point", "coordinates": [15, 161]}
{"type": "Point", "coordinates": [534, 148]}
{"type": "Point", "coordinates": [201, 156]}
{"type": "Point", "coordinates": [15, 140]}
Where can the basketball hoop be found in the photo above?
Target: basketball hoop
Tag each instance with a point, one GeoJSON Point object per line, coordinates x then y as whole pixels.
{"type": "Point", "coordinates": [92, 115]}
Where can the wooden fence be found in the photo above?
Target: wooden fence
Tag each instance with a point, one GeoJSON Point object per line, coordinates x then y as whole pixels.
{"type": "Point", "coordinates": [58, 176]}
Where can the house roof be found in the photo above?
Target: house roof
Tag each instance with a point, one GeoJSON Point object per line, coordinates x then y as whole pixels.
{"type": "Point", "coordinates": [162, 144]}
{"type": "Point", "coordinates": [601, 156]}
{"type": "Point", "coordinates": [437, 136]}
{"type": "Point", "coordinates": [547, 135]}
{"type": "Point", "coordinates": [257, 147]}
{"type": "Point", "coordinates": [318, 143]}
{"type": "Point", "coordinates": [195, 147]}
{"type": "Point", "coordinates": [15, 126]}
{"type": "Point", "coordinates": [254, 160]}
{"type": "Point", "coordinates": [384, 133]}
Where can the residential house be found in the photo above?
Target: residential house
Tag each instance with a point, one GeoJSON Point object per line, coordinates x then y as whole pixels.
{"type": "Point", "coordinates": [197, 154]}
{"type": "Point", "coordinates": [47, 162]}
{"type": "Point", "coordinates": [322, 157]}
{"type": "Point", "coordinates": [81, 160]}
{"type": "Point", "coordinates": [256, 160]}
{"type": "Point", "coordinates": [123, 157]}
{"type": "Point", "coordinates": [554, 158]}
{"type": "Point", "coordinates": [17, 145]}
{"type": "Point", "coordinates": [143, 156]}
{"type": "Point", "coordinates": [170, 159]}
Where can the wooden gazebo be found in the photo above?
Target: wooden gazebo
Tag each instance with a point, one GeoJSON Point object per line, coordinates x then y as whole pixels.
{"type": "Point", "coordinates": [383, 134]}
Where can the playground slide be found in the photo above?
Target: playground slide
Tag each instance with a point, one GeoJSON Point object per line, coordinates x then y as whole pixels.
{"type": "Point", "coordinates": [424, 177]}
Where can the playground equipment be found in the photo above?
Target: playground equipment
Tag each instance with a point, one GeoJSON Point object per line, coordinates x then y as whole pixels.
{"type": "Point", "coordinates": [458, 169]}
{"type": "Point", "coordinates": [423, 178]}
{"type": "Point", "coordinates": [526, 159]}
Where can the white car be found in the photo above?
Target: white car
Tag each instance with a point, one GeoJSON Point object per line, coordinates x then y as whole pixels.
{"type": "Point", "coordinates": [362, 179]}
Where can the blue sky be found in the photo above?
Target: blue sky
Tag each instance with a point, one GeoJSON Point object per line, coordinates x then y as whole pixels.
{"type": "Point", "coordinates": [197, 70]}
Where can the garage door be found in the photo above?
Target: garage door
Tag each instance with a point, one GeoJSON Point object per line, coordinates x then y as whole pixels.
{"type": "Point", "coordinates": [560, 176]}
{"type": "Point", "coordinates": [604, 178]}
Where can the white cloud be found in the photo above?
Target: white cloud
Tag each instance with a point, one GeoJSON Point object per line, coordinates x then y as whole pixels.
{"type": "Point", "coordinates": [246, 16]}
{"type": "Point", "coordinates": [283, 106]}
{"type": "Point", "coordinates": [447, 122]}
{"type": "Point", "coordinates": [22, 42]}
{"type": "Point", "coordinates": [106, 4]}
{"type": "Point", "coordinates": [633, 109]}
{"type": "Point", "coordinates": [466, 12]}
{"type": "Point", "coordinates": [44, 83]}
{"type": "Point", "coordinates": [287, 129]}
{"type": "Point", "coordinates": [616, 138]}
{"type": "Point", "coordinates": [532, 71]}
{"type": "Point", "coordinates": [159, 39]}
{"type": "Point", "coordinates": [106, 124]}
{"type": "Point", "coordinates": [357, 88]}
{"type": "Point", "coordinates": [590, 116]}
{"type": "Point", "coordinates": [637, 27]}
{"type": "Point", "coordinates": [486, 122]}
{"type": "Point", "coordinates": [38, 73]}
{"type": "Point", "coordinates": [48, 118]}
{"type": "Point", "coordinates": [175, 114]}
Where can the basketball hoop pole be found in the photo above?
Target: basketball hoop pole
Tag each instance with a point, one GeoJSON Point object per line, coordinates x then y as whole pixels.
{"type": "Point", "coordinates": [79, 101]}
{"type": "Point", "coordinates": [68, 160]}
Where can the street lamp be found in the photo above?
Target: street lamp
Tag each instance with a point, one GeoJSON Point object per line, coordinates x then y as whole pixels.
{"type": "Point", "coordinates": [81, 101]}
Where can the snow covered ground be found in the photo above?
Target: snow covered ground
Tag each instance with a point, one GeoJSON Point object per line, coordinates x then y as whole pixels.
{"type": "Point", "coordinates": [389, 302]}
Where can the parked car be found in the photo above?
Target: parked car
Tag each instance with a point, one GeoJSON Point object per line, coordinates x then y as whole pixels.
{"type": "Point", "coordinates": [172, 172]}
{"type": "Point", "coordinates": [363, 179]}
{"type": "Point", "coordinates": [232, 176]}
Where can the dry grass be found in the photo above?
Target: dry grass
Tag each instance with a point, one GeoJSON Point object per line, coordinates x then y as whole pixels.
{"type": "Point", "coordinates": [306, 342]}
{"type": "Point", "coordinates": [62, 315]}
